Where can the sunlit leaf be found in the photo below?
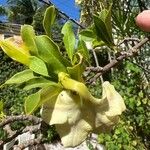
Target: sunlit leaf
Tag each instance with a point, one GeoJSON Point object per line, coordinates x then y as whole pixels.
{"type": "Point", "coordinates": [49, 52]}
{"type": "Point", "coordinates": [38, 66]}
{"type": "Point", "coordinates": [21, 77]}
{"type": "Point", "coordinates": [49, 19]}
{"type": "Point", "coordinates": [15, 49]}
{"type": "Point", "coordinates": [28, 34]}
{"type": "Point", "coordinates": [37, 82]}
{"type": "Point", "coordinates": [69, 39]}
{"type": "Point", "coordinates": [36, 100]}
{"type": "Point", "coordinates": [32, 102]}
{"type": "Point", "coordinates": [77, 70]}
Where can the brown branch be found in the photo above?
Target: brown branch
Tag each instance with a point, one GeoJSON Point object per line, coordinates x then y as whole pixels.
{"type": "Point", "coordinates": [11, 119]}
{"type": "Point", "coordinates": [116, 61]}
{"type": "Point", "coordinates": [128, 40]}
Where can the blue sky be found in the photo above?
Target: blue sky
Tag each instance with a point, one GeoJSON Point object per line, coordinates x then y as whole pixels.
{"type": "Point", "coordinates": [67, 6]}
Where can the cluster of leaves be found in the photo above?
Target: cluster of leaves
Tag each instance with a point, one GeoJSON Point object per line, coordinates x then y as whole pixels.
{"type": "Point", "coordinates": [63, 94]}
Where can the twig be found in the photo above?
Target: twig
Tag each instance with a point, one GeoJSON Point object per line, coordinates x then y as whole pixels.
{"type": "Point", "coordinates": [128, 40]}
{"type": "Point", "coordinates": [113, 63]}
{"type": "Point", "coordinates": [94, 69]}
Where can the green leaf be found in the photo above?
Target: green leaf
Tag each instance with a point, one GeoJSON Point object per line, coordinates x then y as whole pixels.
{"type": "Point", "coordinates": [77, 70]}
{"type": "Point", "coordinates": [69, 39]}
{"type": "Point", "coordinates": [108, 22]}
{"type": "Point", "coordinates": [103, 26]}
{"type": "Point", "coordinates": [21, 77]}
{"type": "Point", "coordinates": [49, 19]}
{"type": "Point", "coordinates": [38, 66]}
{"type": "Point", "coordinates": [16, 51]}
{"type": "Point", "coordinates": [28, 34]}
{"type": "Point", "coordinates": [87, 35]}
{"type": "Point", "coordinates": [82, 48]}
{"type": "Point", "coordinates": [35, 100]}
{"type": "Point", "coordinates": [101, 30]}
{"type": "Point", "coordinates": [32, 102]}
{"type": "Point", "coordinates": [49, 52]}
{"type": "Point", "coordinates": [38, 82]}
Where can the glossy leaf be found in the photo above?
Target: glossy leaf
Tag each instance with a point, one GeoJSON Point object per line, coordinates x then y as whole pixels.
{"type": "Point", "coordinates": [28, 35]}
{"type": "Point", "coordinates": [38, 66]}
{"type": "Point", "coordinates": [15, 49]}
{"type": "Point", "coordinates": [49, 52]}
{"type": "Point", "coordinates": [69, 39]}
{"type": "Point", "coordinates": [21, 77]}
{"type": "Point", "coordinates": [49, 19]}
